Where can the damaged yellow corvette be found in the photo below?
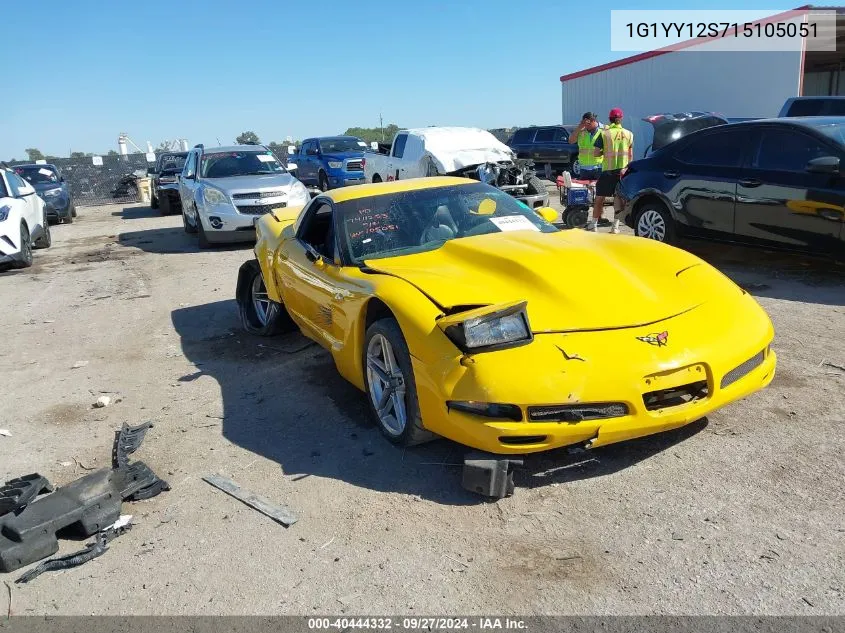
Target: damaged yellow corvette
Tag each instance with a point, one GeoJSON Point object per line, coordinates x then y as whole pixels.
{"type": "Point", "coordinates": [463, 314]}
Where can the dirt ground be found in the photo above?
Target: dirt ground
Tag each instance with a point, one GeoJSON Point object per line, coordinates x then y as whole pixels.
{"type": "Point", "coordinates": [740, 513]}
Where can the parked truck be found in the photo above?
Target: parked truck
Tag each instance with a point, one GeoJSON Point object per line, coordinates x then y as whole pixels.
{"type": "Point", "coordinates": [457, 151]}
{"type": "Point", "coordinates": [330, 161]}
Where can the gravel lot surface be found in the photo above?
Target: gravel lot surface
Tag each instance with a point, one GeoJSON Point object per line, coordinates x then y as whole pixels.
{"type": "Point", "coordinates": [740, 513]}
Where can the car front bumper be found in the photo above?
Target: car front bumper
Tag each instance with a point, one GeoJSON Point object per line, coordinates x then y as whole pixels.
{"type": "Point", "coordinates": [225, 224]}
{"type": "Point", "coordinates": [557, 372]}
{"type": "Point", "coordinates": [345, 179]}
{"type": "Point", "coordinates": [57, 207]}
{"type": "Point", "coordinates": [10, 242]}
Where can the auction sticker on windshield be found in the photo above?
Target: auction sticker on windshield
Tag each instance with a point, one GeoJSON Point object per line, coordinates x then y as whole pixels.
{"type": "Point", "coordinates": [266, 158]}
{"type": "Point", "coordinates": [514, 223]}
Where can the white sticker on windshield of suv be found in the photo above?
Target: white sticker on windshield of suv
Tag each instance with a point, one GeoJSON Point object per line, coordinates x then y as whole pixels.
{"type": "Point", "coordinates": [45, 172]}
{"type": "Point", "coordinates": [514, 223]}
{"type": "Point", "coordinates": [362, 144]}
{"type": "Point", "coordinates": [266, 158]}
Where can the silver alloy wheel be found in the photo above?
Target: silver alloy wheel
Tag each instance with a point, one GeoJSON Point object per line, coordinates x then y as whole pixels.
{"type": "Point", "coordinates": [651, 225]}
{"type": "Point", "coordinates": [264, 307]}
{"type": "Point", "coordinates": [387, 385]}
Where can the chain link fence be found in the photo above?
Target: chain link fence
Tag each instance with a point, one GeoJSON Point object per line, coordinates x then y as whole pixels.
{"type": "Point", "coordinates": [112, 182]}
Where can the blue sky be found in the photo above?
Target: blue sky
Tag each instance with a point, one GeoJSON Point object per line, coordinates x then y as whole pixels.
{"type": "Point", "coordinates": [158, 69]}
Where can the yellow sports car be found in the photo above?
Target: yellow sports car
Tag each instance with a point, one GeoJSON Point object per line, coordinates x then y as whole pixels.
{"type": "Point", "coordinates": [464, 314]}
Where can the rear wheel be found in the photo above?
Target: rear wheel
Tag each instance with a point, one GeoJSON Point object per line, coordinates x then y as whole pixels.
{"type": "Point", "coordinates": [25, 255]}
{"type": "Point", "coordinates": [260, 315]}
{"type": "Point", "coordinates": [390, 384]}
{"type": "Point", "coordinates": [653, 221]}
{"type": "Point", "coordinates": [376, 178]}
{"type": "Point", "coordinates": [46, 239]}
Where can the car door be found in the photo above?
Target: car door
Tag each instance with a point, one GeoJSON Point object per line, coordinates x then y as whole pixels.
{"type": "Point", "coordinates": [310, 273]}
{"type": "Point", "coordinates": [397, 153]}
{"type": "Point", "coordinates": [701, 178]}
{"type": "Point", "coordinates": [309, 159]}
{"type": "Point", "coordinates": [542, 150]}
{"type": "Point", "coordinates": [781, 202]}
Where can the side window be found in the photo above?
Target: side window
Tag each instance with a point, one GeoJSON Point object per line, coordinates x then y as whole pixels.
{"type": "Point", "coordinates": [525, 135]}
{"type": "Point", "coordinates": [310, 148]}
{"type": "Point", "coordinates": [722, 149]}
{"type": "Point", "coordinates": [545, 135]}
{"type": "Point", "coordinates": [317, 229]}
{"type": "Point", "coordinates": [787, 150]}
{"type": "Point", "coordinates": [14, 184]}
{"type": "Point", "coordinates": [561, 135]}
{"type": "Point", "coordinates": [399, 146]}
{"type": "Point", "coordinates": [3, 192]}
{"type": "Point", "coordinates": [806, 107]}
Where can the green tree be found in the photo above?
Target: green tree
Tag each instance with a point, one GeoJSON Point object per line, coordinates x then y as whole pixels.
{"type": "Point", "coordinates": [246, 138]}
{"type": "Point", "coordinates": [34, 154]}
{"type": "Point", "coordinates": [112, 153]}
{"type": "Point", "coordinates": [376, 134]}
{"type": "Point", "coordinates": [77, 154]}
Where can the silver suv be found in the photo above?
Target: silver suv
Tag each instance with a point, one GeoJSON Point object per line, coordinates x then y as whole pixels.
{"type": "Point", "coordinates": [224, 191]}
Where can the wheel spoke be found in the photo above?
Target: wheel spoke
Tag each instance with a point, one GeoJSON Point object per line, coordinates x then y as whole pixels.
{"type": "Point", "coordinates": [399, 409]}
{"type": "Point", "coordinates": [379, 370]}
{"type": "Point", "coordinates": [385, 396]}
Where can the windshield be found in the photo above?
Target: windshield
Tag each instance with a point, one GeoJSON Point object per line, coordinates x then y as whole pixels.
{"type": "Point", "coordinates": [834, 131]}
{"type": "Point", "coordinates": [425, 219]}
{"type": "Point", "coordinates": [226, 164]}
{"type": "Point", "coordinates": [37, 175]}
{"type": "Point", "coordinates": [342, 144]}
{"type": "Point", "coordinates": [173, 162]}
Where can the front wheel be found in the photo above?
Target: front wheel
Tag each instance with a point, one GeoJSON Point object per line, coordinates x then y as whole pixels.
{"type": "Point", "coordinates": [73, 211]}
{"type": "Point", "coordinates": [323, 181]}
{"type": "Point", "coordinates": [46, 239]}
{"type": "Point", "coordinates": [653, 221]}
{"type": "Point", "coordinates": [189, 228]}
{"type": "Point", "coordinates": [25, 255]}
{"type": "Point", "coordinates": [390, 385]}
{"type": "Point", "coordinates": [153, 201]}
{"type": "Point", "coordinates": [575, 168]}
{"type": "Point", "coordinates": [203, 238]}
{"type": "Point", "coordinates": [260, 315]}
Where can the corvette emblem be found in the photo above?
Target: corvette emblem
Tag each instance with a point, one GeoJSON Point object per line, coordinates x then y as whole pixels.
{"type": "Point", "coordinates": [660, 339]}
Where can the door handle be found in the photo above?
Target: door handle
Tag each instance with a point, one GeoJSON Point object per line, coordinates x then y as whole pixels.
{"type": "Point", "coordinates": [750, 182]}
{"type": "Point", "coordinates": [671, 174]}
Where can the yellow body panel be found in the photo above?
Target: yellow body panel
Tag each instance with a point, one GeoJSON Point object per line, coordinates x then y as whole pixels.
{"type": "Point", "coordinates": [598, 304]}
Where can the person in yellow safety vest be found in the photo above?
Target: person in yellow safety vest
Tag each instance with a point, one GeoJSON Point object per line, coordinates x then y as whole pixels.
{"type": "Point", "coordinates": [616, 147]}
{"type": "Point", "coordinates": [585, 135]}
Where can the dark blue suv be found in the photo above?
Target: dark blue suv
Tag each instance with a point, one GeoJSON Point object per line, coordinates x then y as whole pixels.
{"type": "Point", "coordinates": [330, 161]}
{"type": "Point", "coordinates": [52, 188]}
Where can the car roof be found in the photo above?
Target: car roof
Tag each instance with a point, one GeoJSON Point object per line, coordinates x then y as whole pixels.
{"type": "Point", "coordinates": [355, 192]}
{"type": "Point", "coordinates": [322, 138]}
{"type": "Point", "coordinates": [234, 148]}
{"type": "Point", "coordinates": [35, 165]}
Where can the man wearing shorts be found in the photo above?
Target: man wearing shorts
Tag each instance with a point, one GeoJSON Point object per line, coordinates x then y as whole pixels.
{"type": "Point", "coordinates": [616, 147]}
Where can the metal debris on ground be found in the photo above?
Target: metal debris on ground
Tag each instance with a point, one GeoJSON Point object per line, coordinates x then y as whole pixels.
{"type": "Point", "coordinates": [79, 364]}
{"type": "Point", "coordinates": [281, 514]}
{"type": "Point", "coordinates": [5, 433]}
{"type": "Point", "coordinates": [102, 401]}
{"type": "Point", "coordinates": [91, 551]}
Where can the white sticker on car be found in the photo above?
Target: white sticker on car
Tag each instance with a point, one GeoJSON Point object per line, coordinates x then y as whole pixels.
{"type": "Point", "coordinates": [514, 223]}
{"type": "Point", "coordinates": [45, 172]}
{"type": "Point", "coordinates": [362, 144]}
{"type": "Point", "coordinates": [266, 158]}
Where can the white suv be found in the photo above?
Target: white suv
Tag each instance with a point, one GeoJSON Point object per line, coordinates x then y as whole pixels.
{"type": "Point", "coordinates": [23, 221]}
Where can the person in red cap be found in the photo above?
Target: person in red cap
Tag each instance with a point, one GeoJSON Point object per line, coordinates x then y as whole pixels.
{"type": "Point", "coordinates": [616, 147]}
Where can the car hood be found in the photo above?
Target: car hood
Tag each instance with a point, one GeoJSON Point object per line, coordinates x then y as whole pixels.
{"type": "Point", "coordinates": [46, 186]}
{"type": "Point", "coordinates": [571, 280]}
{"type": "Point", "coordinates": [252, 183]}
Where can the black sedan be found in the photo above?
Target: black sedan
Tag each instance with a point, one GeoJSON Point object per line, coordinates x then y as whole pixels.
{"type": "Point", "coordinates": [773, 182]}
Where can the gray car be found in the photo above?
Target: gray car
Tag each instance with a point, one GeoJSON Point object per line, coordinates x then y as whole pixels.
{"type": "Point", "coordinates": [224, 190]}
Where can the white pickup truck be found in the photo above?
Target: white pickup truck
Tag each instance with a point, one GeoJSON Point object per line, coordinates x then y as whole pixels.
{"type": "Point", "coordinates": [457, 151]}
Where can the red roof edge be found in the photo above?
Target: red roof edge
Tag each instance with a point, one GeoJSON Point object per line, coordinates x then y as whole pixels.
{"type": "Point", "coordinates": [633, 59]}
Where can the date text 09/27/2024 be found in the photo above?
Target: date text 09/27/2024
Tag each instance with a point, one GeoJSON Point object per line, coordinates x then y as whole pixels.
{"type": "Point", "coordinates": [721, 29]}
{"type": "Point", "coordinates": [417, 623]}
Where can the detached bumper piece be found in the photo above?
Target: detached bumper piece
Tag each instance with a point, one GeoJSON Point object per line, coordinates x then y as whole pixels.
{"type": "Point", "coordinates": [82, 508]}
{"type": "Point", "coordinates": [489, 475]}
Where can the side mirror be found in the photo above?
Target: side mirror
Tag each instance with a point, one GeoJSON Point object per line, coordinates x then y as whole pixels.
{"type": "Point", "coordinates": [312, 255]}
{"type": "Point", "coordinates": [824, 165]}
{"type": "Point", "coordinates": [190, 176]}
{"type": "Point", "coordinates": [548, 214]}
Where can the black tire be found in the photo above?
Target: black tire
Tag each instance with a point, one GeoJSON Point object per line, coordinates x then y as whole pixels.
{"type": "Point", "coordinates": [413, 431]}
{"type": "Point", "coordinates": [189, 228]}
{"type": "Point", "coordinates": [46, 240]}
{"type": "Point", "coordinates": [163, 206]}
{"type": "Point", "coordinates": [25, 256]}
{"type": "Point", "coordinates": [203, 238]}
{"type": "Point", "coordinates": [277, 319]}
{"type": "Point", "coordinates": [654, 221]}
{"type": "Point", "coordinates": [376, 178]}
{"type": "Point", "coordinates": [323, 181]}
{"type": "Point", "coordinates": [68, 219]}
{"type": "Point", "coordinates": [153, 201]}
{"type": "Point", "coordinates": [575, 217]}
{"type": "Point", "coordinates": [73, 211]}
{"type": "Point", "coordinates": [535, 186]}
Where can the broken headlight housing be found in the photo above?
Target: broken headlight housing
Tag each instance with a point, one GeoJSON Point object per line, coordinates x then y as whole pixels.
{"type": "Point", "coordinates": [507, 327]}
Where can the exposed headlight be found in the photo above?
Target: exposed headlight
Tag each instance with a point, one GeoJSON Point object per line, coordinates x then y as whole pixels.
{"type": "Point", "coordinates": [52, 193]}
{"type": "Point", "coordinates": [335, 164]}
{"type": "Point", "coordinates": [4, 213]}
{"type": "Point", "coordinates": [501, 328]}
{"type": "Point", "coordinates": [214, 196]}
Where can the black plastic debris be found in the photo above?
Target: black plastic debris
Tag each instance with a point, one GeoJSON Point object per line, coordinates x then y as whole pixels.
{"type": "Point", "coordinates": [91, 551]}
{"type": "Point", "coordinates": [489, 475]}
{"type": "Point", "coordinates": [82, 508]}
{"type": "Point", "coordinates": [17, 493]}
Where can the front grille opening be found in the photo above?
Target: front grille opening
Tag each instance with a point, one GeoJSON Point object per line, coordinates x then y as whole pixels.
{"type": "Point", "coordinates": [522, 440]}
{"type": "Point", "coordinates": [676, 396]}
{"type": "Point", "coordinates": [354, 165]}
{"type": "Point", "coordinates": [257, 195]}
{"type": "Point", "coordinates": [741, 371]}
{"type": "Point", "coordinates": [577, 412]}
{"type": "Point", "coordinates": [259, 209]}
